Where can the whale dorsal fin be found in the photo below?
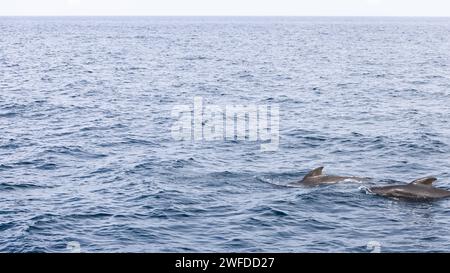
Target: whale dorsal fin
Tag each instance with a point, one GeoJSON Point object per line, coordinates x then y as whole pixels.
{"type": "Point", "coordinates": [428, 181]}
{"type": "Point", "coordinates": [315, 172]}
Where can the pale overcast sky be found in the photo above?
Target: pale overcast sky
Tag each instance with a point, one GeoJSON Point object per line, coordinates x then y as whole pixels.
{"type": "Point", "coordinates": [228, 7]}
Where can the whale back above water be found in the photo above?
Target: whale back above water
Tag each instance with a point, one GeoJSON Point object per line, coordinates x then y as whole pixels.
{"type": "Point", "coordinates": [419, 189]}
{"type": "Point", "coordinates": [316, 178]}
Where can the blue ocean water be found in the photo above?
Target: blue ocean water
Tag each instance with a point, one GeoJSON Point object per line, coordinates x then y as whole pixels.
{"type": "Point", "coordinates": [87, 156]}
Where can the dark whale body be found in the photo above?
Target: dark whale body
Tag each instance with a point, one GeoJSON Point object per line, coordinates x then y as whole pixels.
{"type": "Point", "coordinates": [316, 178]}
{"type": "Point", "coordinates": [419, 190]}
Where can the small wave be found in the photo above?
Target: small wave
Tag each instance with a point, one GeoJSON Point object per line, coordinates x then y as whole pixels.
{"type": "Point", "coordinates": [47, 166]}
{"type": "Point", "coordinates": [10, 186]}
{"type": "Point", "coordinates": [93, 215]}
{"type": "Point", "coordinates": [140, 142]}
{"type": "Point", "coordinates": [356, 180]}
{"type": "Point", "coordinates": [8, 115]}
{"type": "Point", "coordinates": [274, 212]}
{"type": "Point", "coordinates": [74, 151]}
{"type": "Point", "coordinates": [365, 190]}
{"type": "Point", "coordinates": [224, 174]}
{"type": "Point", "coordinates": [6, 226]}
{"type": "Point", "coordinates": [273, 181]}
{"type": "Point", "coordinates": [102, 170]}
{"type": "Point", "coordinates": [194, 58]}
{"type": "Point", "coordinates": [5, 167]}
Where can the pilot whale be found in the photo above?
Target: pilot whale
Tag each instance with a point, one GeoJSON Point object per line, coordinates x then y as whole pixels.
{"type": "Point", "coordinates": [420, 189]}
{"type": "Point", "coordinates": [316, 178]}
